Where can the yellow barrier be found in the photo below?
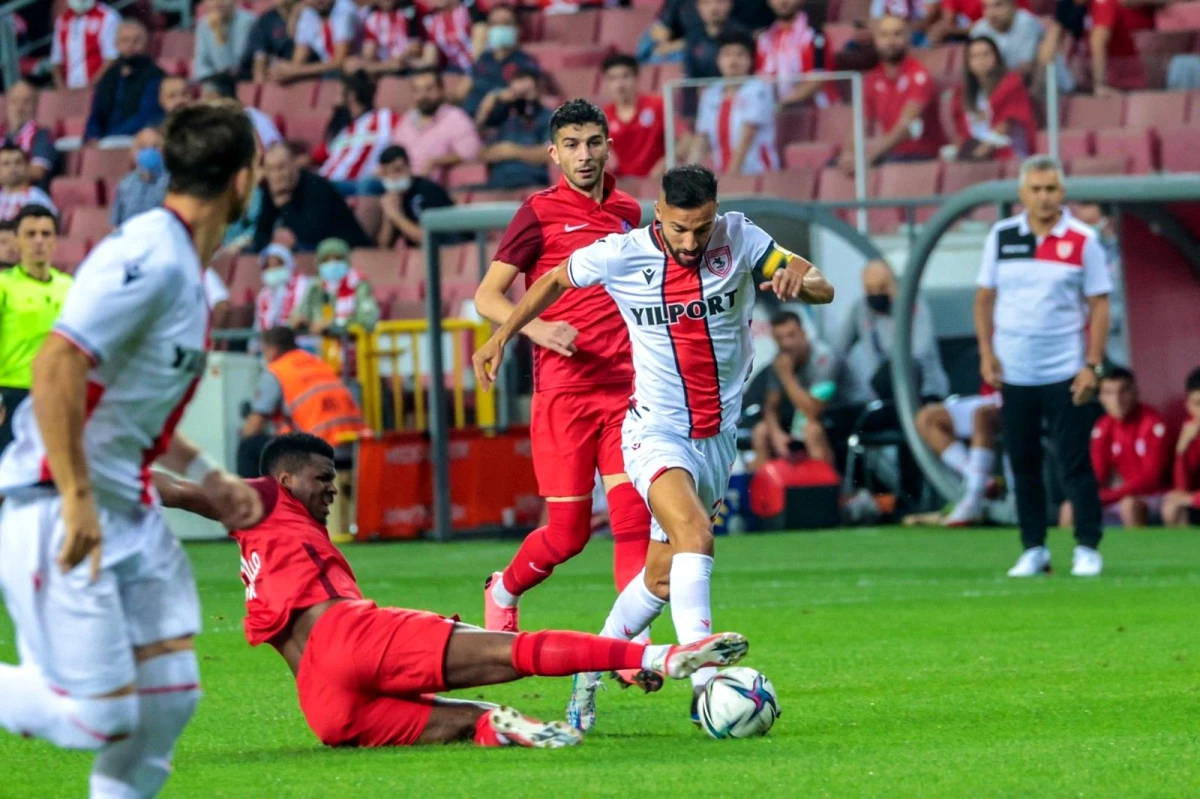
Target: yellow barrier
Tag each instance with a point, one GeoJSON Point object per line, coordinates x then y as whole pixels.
{"type": "Point", "coordinates": [389, 342]}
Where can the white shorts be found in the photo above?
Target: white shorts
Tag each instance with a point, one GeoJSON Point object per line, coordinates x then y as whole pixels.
{"type": "Point", "coordinates": [962, 411]}
{"type": "Point", "coordinates": [81, 634]}
{"type": "Point", "coordinates": [649, 453]}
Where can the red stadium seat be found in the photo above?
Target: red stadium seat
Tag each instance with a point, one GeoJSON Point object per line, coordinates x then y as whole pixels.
{"type": "Point", "coordinates": [89, 223]}
{"type": "Point", "coordinates": [794, 125]}
{"type": "Point", "coordinates": [68, 254]}
{"type": "Point", "coordinates": [1178, 16]}
{"type": "Point", "coordinates": [940, 61]}
{"type": "Point", "coordinates": [1081, 167]}
{"type": "Point", "coordinates": [799, 184]}
{"type": "Point", "coordinates": [305, 126]}
{"type": "Point", "coordinates": [836, 186]}
{"type": "Point", "coordinates": [1157, 48]}
{"type": "Point", "coordinates": [278, 100]}
{"type": "Point", "coordinates": [61, 103]}
{"type": "Point", "coordinates": [811, 155]}
{"type": "Point", "coordinates": [248, 93]}
{"type": "Point", "coordinates": [68, 193]}
{"type": "Point", "coordinates": [394, 93]}
{"type": "Point", "coordinates": [622, 27]}
{"type": "Point", "coordinates": [179, 44]}
{"type": "Point", "coordinates": [648, 78]}
{"type": "Point", "coordinates": [576, 82]}
{"type": "Point", "coordinates": [1071, 143]}
{"type": "Point", "coordinates": [1154, 110]}
{"type": "Point", "coordinates": [246, 280]}
{"type": "Point", "coordinates": [1179, 150]}
{"type": "Point", "coordinates": [959, 175]}
{"type": "Point", "coordinates": [369, 214]}
{"type": "Point", "coordinates": [576, 29]}
{"type": "Point", "coordinates": [383, 268]}
{"type": "Point", "coordinates": [739, 184]}
{"type": "Point", "coordinates": [1084, 112]}
{"type": "Point", "coordinates": [467, 175]}
{"type": "Point", "coordinates": [917, 179]}
{"type": "Point", "coordinates": [834, 124]}
{"type": "Point", "coordinates": [73, 126]}
{"type": "Point", "coordinates": [669, 72]}
{"type": "Point", "coordinates": [100, 164]}
{"type": "Point", "coordinates": [1135, 146]}
{"type": "Point", "coordinates": [329, 95]}
{"type": "Point", "coordinates": [553, 56]}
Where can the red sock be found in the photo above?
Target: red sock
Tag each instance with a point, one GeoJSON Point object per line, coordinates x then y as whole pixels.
{"type": "Point", "coordinates": [485, 734]}
{"type": "Point", "coordinates": [561, 653]}
{"type": "Point", "coordinates": [630, 520]}
{"type": "Point", "coordinates": [565, 535]}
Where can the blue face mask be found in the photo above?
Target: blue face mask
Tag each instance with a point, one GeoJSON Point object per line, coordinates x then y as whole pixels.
{"type": "Point", "coordinates": [150, 160]}
{"type": "Point", "coordinates": [333, 271]}
{"type": "Point", "coordinates": [502, 37]}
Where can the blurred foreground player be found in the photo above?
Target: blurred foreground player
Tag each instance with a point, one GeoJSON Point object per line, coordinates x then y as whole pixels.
{"type": "Point", "coordinates": [582, 366]}
{"type": "Point", "coordinates": [684, 286]}
{"type": "Point", "coordinates": [100, 592]}
{"type": "Point", "coordinates": [366, 676]}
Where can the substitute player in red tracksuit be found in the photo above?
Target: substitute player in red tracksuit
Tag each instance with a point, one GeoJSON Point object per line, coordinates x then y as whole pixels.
{"type": "Point", "coordinates": [583, 371]}
{"type": "Point", "coordinates": [366, 675]}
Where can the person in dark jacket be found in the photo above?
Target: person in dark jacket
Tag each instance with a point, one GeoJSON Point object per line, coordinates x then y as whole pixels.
{"type": "Point", "coordinates": [300, 208]}
{"type": "Point", "coordinates": [126, 97]}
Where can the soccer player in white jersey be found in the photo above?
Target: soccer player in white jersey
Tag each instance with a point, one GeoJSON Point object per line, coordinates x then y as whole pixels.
{"type": "Point", "coordinates": [685, 288]}
{"type": "Point", "coordinates": [101, 594]}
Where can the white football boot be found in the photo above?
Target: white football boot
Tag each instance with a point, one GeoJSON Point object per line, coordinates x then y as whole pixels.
{"type": "Point", "coordinates": [1087, 562]}
{"type": "Point", "coordinates": [1033, 561]}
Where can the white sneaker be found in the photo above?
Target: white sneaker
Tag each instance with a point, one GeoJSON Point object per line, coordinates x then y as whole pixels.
{"type": "Point", "coordinates": [1087, 562]}
{"type": "Point", "coordinates": [967, 513]}
{"type": "Point", "coordinates": [1033, 561]}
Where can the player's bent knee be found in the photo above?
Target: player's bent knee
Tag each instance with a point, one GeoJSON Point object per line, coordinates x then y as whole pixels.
{"type": "Point", "coordinates": [94, 723]}
{"type": "Point", "coordinates": [694, 534]}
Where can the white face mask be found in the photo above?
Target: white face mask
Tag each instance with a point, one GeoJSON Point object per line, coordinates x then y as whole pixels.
{"type": "Point", "coordinates": [81, 6]}
{"type": "Point", "coordinates": [276, 276]}
{"type": "Point", "coordinates": [397, 184]}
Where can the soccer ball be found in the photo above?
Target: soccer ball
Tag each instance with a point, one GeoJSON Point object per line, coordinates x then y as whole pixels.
{"type": "Point", "coordinates": [738, 703]}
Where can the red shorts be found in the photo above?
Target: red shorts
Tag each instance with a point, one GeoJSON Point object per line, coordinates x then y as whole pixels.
{"type": "Point", "coordinates": [574, 433]}
{"type": "Point", "coordinates": [368, 674]}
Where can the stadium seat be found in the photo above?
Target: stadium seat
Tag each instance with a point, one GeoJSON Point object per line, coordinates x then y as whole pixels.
{"type": "Point", "coordinates": [1155, 110]}
{"type": "Point", "coordinates": [101, 164]}
{"type": "Point", "coordinates": [576, 82]}
{"type": "Point", "coordinates": [834, 123]}
{"type": "Point", "coordinates": [1178, 17]}
{"type": "Point", "coordinates": [796, 183]}
{"type": "Point", "coordinates": [940, 61]}
{"type": "Point", "coordinates": [174, 66]}
{"type": "Point", "coordinates": [836, 186]}
{"type": "Point", "coordinates": [278, 99]}
{"type": "Point", "coordinates": [74, 192]}
{"type": "Point", "coordinates": [669, 72]}
{"type": "Point", "coordinates": [959, 175]}
{"type": "Point", "coordinates": [1135, 146]}
{"type": "Point", "coordinates": [467, 175]}
{"type": "Point", "coordinates": [58, 104]}
{"type": "Point", "coordinates": [1084, 112]}
{"type": "Point", "coordinates": [1071, 143]}
{"type": "Point", "coordinates": [575, 29]}
{"type": "Point", "coordinates": [89, 224]}
{"type": "Point", "coordinates": [73, 126]}
{"type": "Point", "coordinates": [811, 155]}
{"type": "Point", "coordinates": [179, 44]}
{"type": "Point", "coordinates": [369, 214]}
{"type": "Point", "coordinates": [328, 95]}
{"type": "Point", "coordinates": [305, 126]}
{"type": "Point", "coordinates": [383, 268]}
{"type": "Point", "coordinates": [836, 35]}
{"type": "Point", "coordinates": [68, 254]}
{"type": "Point", "coordinates": [1179, 150]}
{"type": "Point", "coordinates": [248, 93]}
{"type": "Point", "coordinates": [794, 125]}
{"type": "Point", "coordinates": [621, 28]}
{"type": "Point", "coordinates": [917, 179]}
{"type": "Point", "coordinates": [394, 93]}
{"type": "Point", "coordinates": [739, 184]}
{"type": "Point", "coordinates": [648, 78]}
{"type": "Point", "coordinates": [245, 281]}
{"type": "Point", "coordinates": [553, 56]}
{"type": "Point", "coordinates": [1156, 48]}
{"type": "Point", "coordinates": [1081, 167]}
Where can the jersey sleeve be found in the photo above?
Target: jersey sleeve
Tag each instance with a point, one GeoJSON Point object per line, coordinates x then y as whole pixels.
{"type": "Point", "coordinates": [308, 28]}
{"type": "Point", "coordinates": [345, 26]}
{"type": "Point", "coordinates": [56, 51]}
{"type": "Point", "coordinates": [268, 395]}
{"type": "Point", "coordinates": [1097, 280]}
{"type": "Point", "coordinates": [589, 266]}
{"type": "Point", "coordinates": [758, 249]}
{"type": "Point", "coordinates": [108, 35]}
{"type": "Point", "coordinates": [987, 267]}
{"type": "Point", "coordinates": [214, 288]}
{"type": "Point", "coordinates": [114, 299]}
{"type": "Point", "coordinates": [523, 242]}
{"type": "Point", "coordinates": [760, 104]}
{"type": "Point", "coordinates": [921, 88]}
{"type": "Point", "coordinates": [706, 116]}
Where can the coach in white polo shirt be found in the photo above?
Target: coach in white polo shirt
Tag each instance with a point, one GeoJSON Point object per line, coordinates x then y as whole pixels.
{"type": "Point", "coordinates": [1041, 315]}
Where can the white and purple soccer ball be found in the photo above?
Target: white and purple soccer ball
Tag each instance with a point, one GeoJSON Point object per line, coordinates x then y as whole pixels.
{"type": "Point", "coordinates": [738, 703]}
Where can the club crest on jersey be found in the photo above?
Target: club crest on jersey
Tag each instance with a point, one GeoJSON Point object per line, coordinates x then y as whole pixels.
{"type": "Point", "coordinates": [1064, 249]}
{"type": "Point", "coordinates": [719, 261]}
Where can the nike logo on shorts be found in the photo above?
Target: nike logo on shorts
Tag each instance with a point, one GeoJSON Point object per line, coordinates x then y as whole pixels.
{"type": "Point", "coordinates": [573, 228]}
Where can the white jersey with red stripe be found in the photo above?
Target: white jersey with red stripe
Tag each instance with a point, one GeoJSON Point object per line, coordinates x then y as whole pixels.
{"type": "Point", "coordinates": [451, 32]}
{"type": "Point", "coordinates": [689, 326]}
{"type": "Point", "coordinates": [137, 309]}
{"type": "Point", "coordinates": [788, 51]}
{"type": "Point", "coordinates": [11, 202]}
{"type": "Point", "coordinates": [322, 35]}
{"type": "Point", "coordinates": [722, 117]}
{"type": "Point", "coordinates": [83, 42]}
{"type": "Point", "coordinates": [354, 153]}
{"type": "Point", "coordinates": [389, 31]}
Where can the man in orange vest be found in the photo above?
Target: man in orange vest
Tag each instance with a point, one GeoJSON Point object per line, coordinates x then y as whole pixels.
{"type": "Point", "coordinates": [300, 392]}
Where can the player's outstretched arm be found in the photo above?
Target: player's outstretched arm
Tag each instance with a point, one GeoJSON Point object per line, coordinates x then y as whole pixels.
{"type": "Point", "coordinates": [541, 295]}
{"type": "Point", "coordinates": [184, 495]}
{"type": "Point", "coordinates": [238, 505]}
{"type": "Point", "coordinates": [799, 280]}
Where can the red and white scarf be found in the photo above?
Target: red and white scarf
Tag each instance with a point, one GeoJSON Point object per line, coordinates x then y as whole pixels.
{"type": "Point", "coordinates": [343, 296]}
{"type": "Point", "coordinates": [274, 307]}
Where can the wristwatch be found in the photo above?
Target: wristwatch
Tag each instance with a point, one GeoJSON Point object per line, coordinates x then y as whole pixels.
{"type": "Point", "coordinates": [1097, 369]}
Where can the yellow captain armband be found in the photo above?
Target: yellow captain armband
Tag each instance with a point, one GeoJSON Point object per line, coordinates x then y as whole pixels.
{"type": "Point", "coordinates": [775, 258]}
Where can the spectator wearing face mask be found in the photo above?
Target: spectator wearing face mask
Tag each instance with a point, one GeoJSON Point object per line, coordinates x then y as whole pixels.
{"type": "Point", "coordinates": [126, 98]}
{"type": "Point", "coordinates": [146, 185]}
{"type": "Point", "coordinates": [436, 135]}
{"type": "Point", "coordinates": [84, 43]}
{"type": "Point", "coordinates": [405, 198]}
{"type": "Point", "coordinates": [517, 127]}
{"type": "Point", "coordinates": [282, 288]}
{"type": "Point", "coordinates": [341, 297]}
{"type": "Point", "coordinates": [500, 62]}
{"type": "Point", "coordinates": [222, 40]}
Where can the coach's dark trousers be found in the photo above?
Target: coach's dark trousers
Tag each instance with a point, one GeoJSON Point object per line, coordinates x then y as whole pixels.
{"type": "Point", "coordinates": [1022, 415]}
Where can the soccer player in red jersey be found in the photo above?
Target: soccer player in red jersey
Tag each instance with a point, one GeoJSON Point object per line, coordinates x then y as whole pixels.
{"type": "Point", "coordinates": [583, 371]}
{"type": "Point", "coordinates": [1182, 505]}
{"type": "Point", "coordinates": [367, 676]}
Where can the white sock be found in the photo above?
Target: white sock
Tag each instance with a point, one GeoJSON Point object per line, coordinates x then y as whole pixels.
{"type": "Point", "coordinates": [168, 690]}
{"type": "Point", "coordinates": [504, 598]}
{"type": "Point", "coordinates": [29, 707]}
{"type": "Point", "coordinates": [653, 655]}
{"type": "Point", "coordinates": [979, 471]}
{"type": "Point", "coordinates": [691, 609]}
{"type": "Point", "coordinates": [955, 456]}
{"type": "Point", "coordinates": [633, 611]}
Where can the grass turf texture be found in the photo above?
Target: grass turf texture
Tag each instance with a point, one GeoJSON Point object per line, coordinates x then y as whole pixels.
{"type": "Point", "coordinates": [906, 664]}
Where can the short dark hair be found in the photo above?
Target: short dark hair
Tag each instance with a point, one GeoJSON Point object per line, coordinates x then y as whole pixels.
{"type": "Point", "coordinates": [223, 84]}
{"type": "Point", "coordinates": [1193, 381]}
{"type": "Point", "coordinates": [740, 38]}
{"type": "Point", "coordinates": [8, 225]}
{"type": "Point", "coordinates": [577, 112]}
{"type": "Point", "coordinates": [290, 452]}
{"type": "Point", "coordinates": [394, 152]}
{"type": "Point", "coordinates": [35, 211]}
{"type": "Point", "coordinates": [281, 338]}
{"type": "Point", "coordinates": [436, 72]}
{"type": "Point", "coordinates": [10, 146]}
{"type": "Point", "coordinates": [689, 186]}
{"type": "Point", "coordinates": [783, 317]}
{"type": "Point", "coordinates": [204, 146]}
{"type": "Point", "coordinates": [1120, 373]}
{"type": "Point", "coordinates": [362, 87]}
{"type": "Point", "coordinates": [620, 60]}
{"type": "Point", "coordinates": [509, 7]}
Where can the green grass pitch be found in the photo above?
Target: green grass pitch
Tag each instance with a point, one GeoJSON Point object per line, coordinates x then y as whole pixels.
{"type": "Point", "coordinates": [906, 664]}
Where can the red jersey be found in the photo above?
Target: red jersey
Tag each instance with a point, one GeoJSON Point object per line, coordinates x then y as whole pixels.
{"type": "Point", "coordinates": [547, 229]}
{"type": "Point", "coordinates": [288, 564]}
{"type": "Point", "coordinates": [1131, 456]}
{"type": "Point", "coordinates": [641, 142]}
{"type": "Point", "coordinates": [786, 51]}
{"type": "Point", "coordinates": [885, 100]}
{"type": "Point", "coordinates": [1124, 67]}
{"type": "Point", "coordinates": [1187, 470]}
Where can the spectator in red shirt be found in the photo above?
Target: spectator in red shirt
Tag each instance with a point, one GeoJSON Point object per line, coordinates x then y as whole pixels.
{"type": "Point", "coordinates": [1182, 505]}
{"type": "Point", "coordinates": [635, 120]}
{"type": "Point", "coordinates": [952, 19]}
{"type": "Point", "coordinates": [1114, 56]}
{"type": "Point", "coordinates": [1131, 454]}
{"type": "Point", "coordinates": [901, 103]}
{"type": "Point", "coordinates": [993, 115]}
